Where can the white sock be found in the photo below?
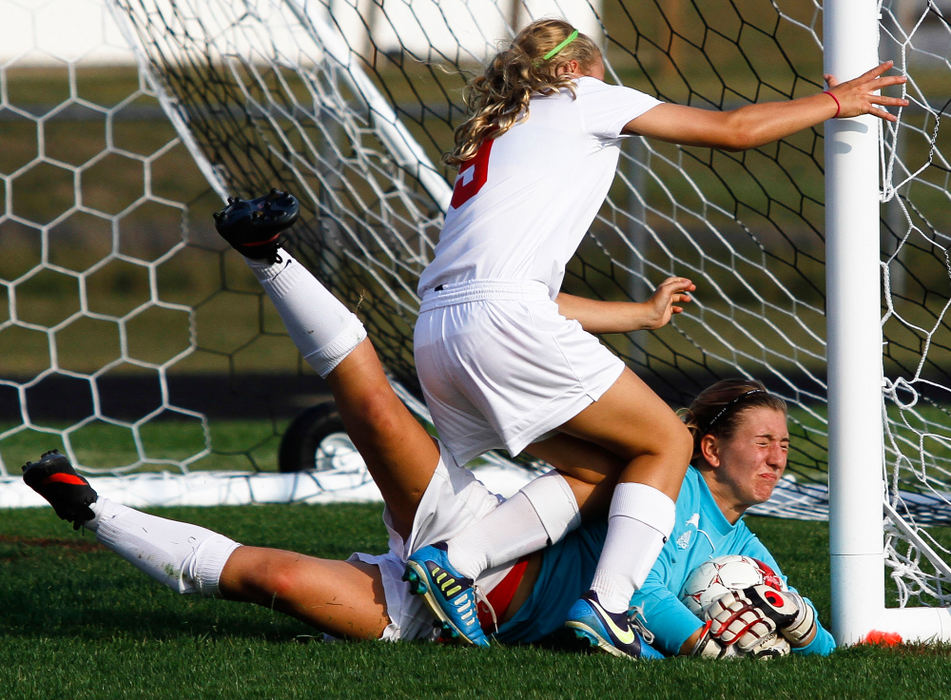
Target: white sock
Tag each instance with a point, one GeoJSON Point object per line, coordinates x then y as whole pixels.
{"type": "Point", "coordinates": [322, 328]}
{"type": "Point", "coordinates": [540, 514]}
{"type": "Point", "coordinates": [186, 558]}
{"type": "Point", "coordinates": [639, 522]}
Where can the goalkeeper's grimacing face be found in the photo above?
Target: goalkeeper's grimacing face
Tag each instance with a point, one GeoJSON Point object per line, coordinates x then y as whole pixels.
{"type": "Point", "coordinates": [752, 460]}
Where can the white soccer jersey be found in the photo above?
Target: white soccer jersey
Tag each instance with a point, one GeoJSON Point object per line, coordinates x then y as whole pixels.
{"type": "Point", "coordinates": [521, 207]}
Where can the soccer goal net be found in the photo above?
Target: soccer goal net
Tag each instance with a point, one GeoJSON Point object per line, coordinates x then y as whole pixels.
{"type": "Point", "coordinates": [349, 104]}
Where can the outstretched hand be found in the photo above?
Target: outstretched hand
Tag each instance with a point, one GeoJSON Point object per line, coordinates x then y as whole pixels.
{"type": "Point", "coordinates": [598, 316]}
{"type": "Point", "coordinates": [857, 96]}
{"type": "Point", "coordinates": [666, 300]}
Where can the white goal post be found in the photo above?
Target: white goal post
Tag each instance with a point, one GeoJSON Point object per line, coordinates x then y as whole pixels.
{"type": "Point", "coordinates": [822, 262]}
{"type": "Point", "coordinates": [858, 497]}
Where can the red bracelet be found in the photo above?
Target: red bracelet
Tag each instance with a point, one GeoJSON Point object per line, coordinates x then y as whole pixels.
{"type": "Point", "coordinates": [838, 105]}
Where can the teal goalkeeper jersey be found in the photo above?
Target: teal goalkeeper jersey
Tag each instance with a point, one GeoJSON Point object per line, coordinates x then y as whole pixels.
{"type": "Point", "coordinates": [701, 532]}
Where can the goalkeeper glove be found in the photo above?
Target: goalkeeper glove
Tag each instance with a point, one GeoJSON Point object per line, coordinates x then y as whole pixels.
{"type": "Point", "coordinates": [707, 647]}
{"type": "Point", "coordinates": [736, 624]}
{"type": "Point", "coordinates": [794, 617]}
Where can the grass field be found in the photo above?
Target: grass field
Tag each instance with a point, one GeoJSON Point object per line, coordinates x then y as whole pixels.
{"type": "Point", "coordinates": [79, 622]}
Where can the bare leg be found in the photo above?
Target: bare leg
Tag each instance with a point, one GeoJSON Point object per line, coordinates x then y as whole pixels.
{"type": "Point", "coordinates": [589, 470]}
{"type": "Point", "coordinates": [342, 598]}
{"type": "Point", "coordinates": [542, 511]}
{"type": "Point", "coordinates": [399, 453]}
{"type": "Point", "coordinates": [632, 422]}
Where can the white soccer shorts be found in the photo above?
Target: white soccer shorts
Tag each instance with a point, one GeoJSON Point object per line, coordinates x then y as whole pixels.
{"type": "Point", "coordinates": [501, 367]}
{"type": "Point", "coordinates": [453, 500]}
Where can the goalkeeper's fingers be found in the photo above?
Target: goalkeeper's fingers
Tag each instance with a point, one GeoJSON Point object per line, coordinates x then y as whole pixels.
{"type": "Point", "coordinates": [794, 617]}
{"type": "Point", "coordinates": [734, 620]}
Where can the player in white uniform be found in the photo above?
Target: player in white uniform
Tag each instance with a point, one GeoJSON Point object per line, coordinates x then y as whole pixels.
{"type": "Point", "coordinates": [506, 360]}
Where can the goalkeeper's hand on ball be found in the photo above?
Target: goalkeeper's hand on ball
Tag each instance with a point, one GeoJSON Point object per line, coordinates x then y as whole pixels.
{"type": "Point", "coordinates": [736, 628]}
{"type": "Point", "coordinates": [794, 617]}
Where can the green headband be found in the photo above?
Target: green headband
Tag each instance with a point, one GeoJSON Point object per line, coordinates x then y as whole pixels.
{"type": "Point", "coordinates": [554, 52]}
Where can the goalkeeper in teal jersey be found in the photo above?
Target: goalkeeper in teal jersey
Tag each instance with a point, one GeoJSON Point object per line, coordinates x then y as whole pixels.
{"type": "Point", "coordinates": [740, 448]}
{"type": "Point", "coordinates": [701, 532]}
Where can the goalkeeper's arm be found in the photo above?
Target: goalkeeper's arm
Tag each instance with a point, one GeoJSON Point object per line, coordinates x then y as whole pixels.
{"type": "Point", "coordinates": [667, 618]}
{"type": "Point", "coordinates": [597, 316]}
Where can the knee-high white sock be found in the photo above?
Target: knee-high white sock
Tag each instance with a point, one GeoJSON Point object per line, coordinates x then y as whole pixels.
{"type": "Point", "coordinates": [639, 522]}
{"type": "Point", "coordinates": [542, 512]}
{"type": "Point", "coordinates": [322, 328]}
{"type": "Point", "coordinates": [186, 558]}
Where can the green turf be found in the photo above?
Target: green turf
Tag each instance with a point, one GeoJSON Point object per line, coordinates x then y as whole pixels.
{"type": "Point", "coordinates": [78, 622]}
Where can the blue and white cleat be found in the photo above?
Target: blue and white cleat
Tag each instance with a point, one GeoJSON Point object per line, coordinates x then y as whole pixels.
{"type": "Point", "coordinates": [449, 595]}
{"type": "Point", "coordinates": [607, 631]}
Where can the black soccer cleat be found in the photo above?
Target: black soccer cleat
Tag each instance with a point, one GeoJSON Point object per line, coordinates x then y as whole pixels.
{"type": "Point", "coordinates": [253, 226]}
{"type": "Point", "coordinates": [53, 477]}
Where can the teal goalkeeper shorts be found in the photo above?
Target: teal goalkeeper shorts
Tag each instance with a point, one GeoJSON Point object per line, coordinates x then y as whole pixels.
{"type": "Point", "coordinates": [565, 575]}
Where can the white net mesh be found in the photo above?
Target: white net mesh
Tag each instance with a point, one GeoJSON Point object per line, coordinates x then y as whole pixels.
{"type": "Point", "coordinates": [130, 336]}
{"type": "Point", "coordinates": [917, 292]}
{"type": "Point", "coordinates": [80, 278]}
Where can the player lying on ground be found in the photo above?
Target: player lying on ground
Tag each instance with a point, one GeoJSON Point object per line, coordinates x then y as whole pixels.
{"type": "Point", "coordinates": [427, 496]}
{"type": "Point", "coordinates": [741, 443]}
{"type": "Point", "coordinates": [506, 360]}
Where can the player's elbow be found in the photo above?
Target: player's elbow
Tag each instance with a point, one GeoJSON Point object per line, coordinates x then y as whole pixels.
{"type": "Point", "coordinates": [738, 139]}
{"type": "Point", "coordinates": [738, 133]}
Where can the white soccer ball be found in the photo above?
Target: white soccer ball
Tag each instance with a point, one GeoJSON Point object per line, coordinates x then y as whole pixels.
{"type": "Point", "coordinates": [723, 574]}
